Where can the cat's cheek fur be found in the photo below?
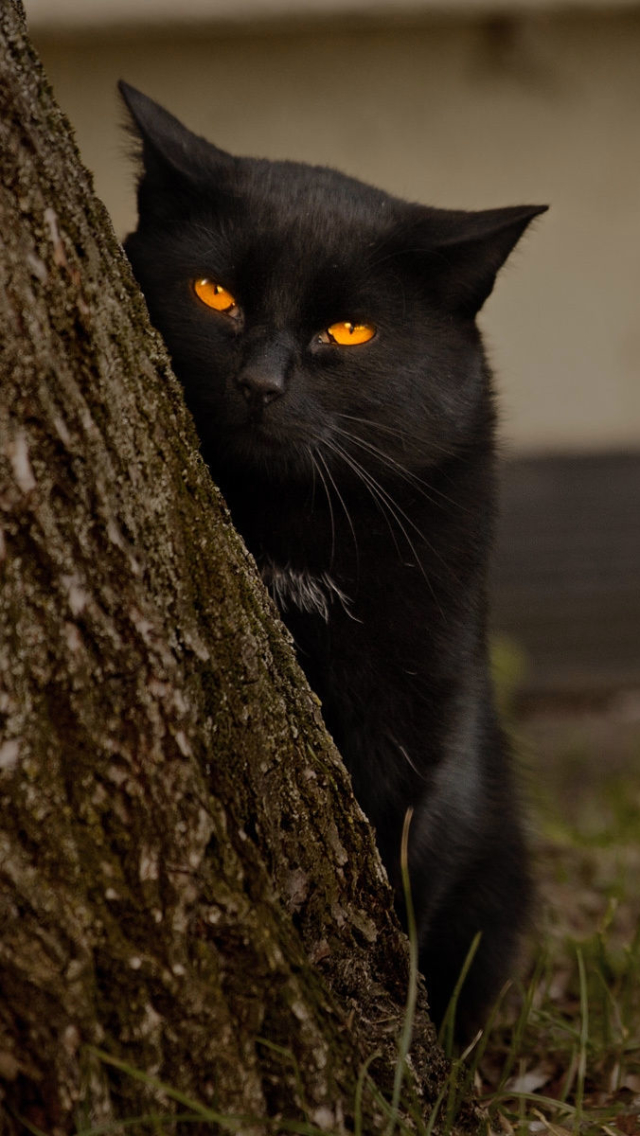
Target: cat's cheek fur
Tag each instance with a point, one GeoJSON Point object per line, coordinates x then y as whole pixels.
{"type": "Point", "coordinates": [362, 479]}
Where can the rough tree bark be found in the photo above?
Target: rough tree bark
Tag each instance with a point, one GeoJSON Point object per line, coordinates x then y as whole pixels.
{"type": "Point", "coordinates": [185, 879]}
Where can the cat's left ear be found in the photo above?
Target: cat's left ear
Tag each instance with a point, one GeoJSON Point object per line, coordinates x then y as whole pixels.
{"type": "Point", "coordinates": [465, 250]}
{"type": "Point", "coordinates": [175, 161]}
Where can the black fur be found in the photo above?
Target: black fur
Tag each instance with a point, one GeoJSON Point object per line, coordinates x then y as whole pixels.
{"type": "Point", "coordinates": [362, 478]}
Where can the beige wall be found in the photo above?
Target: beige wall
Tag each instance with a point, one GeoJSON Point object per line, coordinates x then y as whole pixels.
{"type": "Point", "coordinates": [459, 113]}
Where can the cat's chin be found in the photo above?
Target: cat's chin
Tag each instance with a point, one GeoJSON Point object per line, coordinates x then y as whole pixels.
{"type": "Point", "coordinates": [274, 455]}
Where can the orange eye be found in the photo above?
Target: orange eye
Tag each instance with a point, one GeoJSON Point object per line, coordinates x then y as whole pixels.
{"type": "Point", "coordinates": [349, 334]}
{"type": "Point", "coordinates": [216, 297]}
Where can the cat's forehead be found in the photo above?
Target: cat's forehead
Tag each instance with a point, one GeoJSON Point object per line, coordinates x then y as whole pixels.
{"type": "Point", "coordinates": [313, 203]}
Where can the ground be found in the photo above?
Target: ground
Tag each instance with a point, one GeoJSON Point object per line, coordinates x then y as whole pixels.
{"type": "Point", "coordinates": [564, 1054]}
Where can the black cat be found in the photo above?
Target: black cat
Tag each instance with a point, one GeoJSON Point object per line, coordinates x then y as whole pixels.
{"type": "Point", "coordinates": [325, 335]}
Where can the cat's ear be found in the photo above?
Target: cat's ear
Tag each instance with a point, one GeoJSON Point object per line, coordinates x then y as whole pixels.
{"type": "Point", "coordinates": [175, 161]}
{"type": "Point", "coordinates": [465, 250]}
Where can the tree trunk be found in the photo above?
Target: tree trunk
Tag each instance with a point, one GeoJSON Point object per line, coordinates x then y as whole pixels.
{"type": "Point", "coordinates": [186, 881]}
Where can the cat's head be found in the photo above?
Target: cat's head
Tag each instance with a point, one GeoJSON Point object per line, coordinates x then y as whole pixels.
{"type": "Point", "coordinates": [306, 312]}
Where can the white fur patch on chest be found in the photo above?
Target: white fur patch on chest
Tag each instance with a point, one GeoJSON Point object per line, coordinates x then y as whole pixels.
{"type": "Point", "coordinates": [302, 590]}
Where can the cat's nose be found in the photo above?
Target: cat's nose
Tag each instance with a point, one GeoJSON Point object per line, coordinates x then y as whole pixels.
{"type": "Point", "coordinates": [261, 385]}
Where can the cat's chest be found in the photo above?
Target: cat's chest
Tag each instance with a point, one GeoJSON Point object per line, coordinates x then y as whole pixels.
{"type": "Point", "coordinates": [295, 589]}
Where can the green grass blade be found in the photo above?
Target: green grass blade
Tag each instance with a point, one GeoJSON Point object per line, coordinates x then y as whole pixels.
{"type": "Point", "coordinates": [584, 1039]}
{"type": "Point", "coordinates": [412, 992]}
{"type": "Point", "coordinates": [446, 1033]}
{"type": "Point", "coordinates": [357, 1104]}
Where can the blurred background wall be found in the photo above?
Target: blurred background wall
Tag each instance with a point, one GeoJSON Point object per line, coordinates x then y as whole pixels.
{"type": "Point", "coordinates": [466, 108]}
{"type": "Point", "coordinates": [460, 103]}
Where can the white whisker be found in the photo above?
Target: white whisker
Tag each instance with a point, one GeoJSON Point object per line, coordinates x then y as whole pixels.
{"type": "Point", "coordinates": [386, 501]}
{"type": "Point", "coordinates": [341, 500]}
{"type": "Point", "coordinates": [328, 496]}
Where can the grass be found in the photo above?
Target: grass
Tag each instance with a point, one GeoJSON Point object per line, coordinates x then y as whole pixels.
{"type": "Point", "coordinates": [563, 1055]}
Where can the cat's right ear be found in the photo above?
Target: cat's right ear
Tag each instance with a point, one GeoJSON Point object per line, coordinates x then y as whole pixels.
{"type": "Point", "coordinates": [176, 164]}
